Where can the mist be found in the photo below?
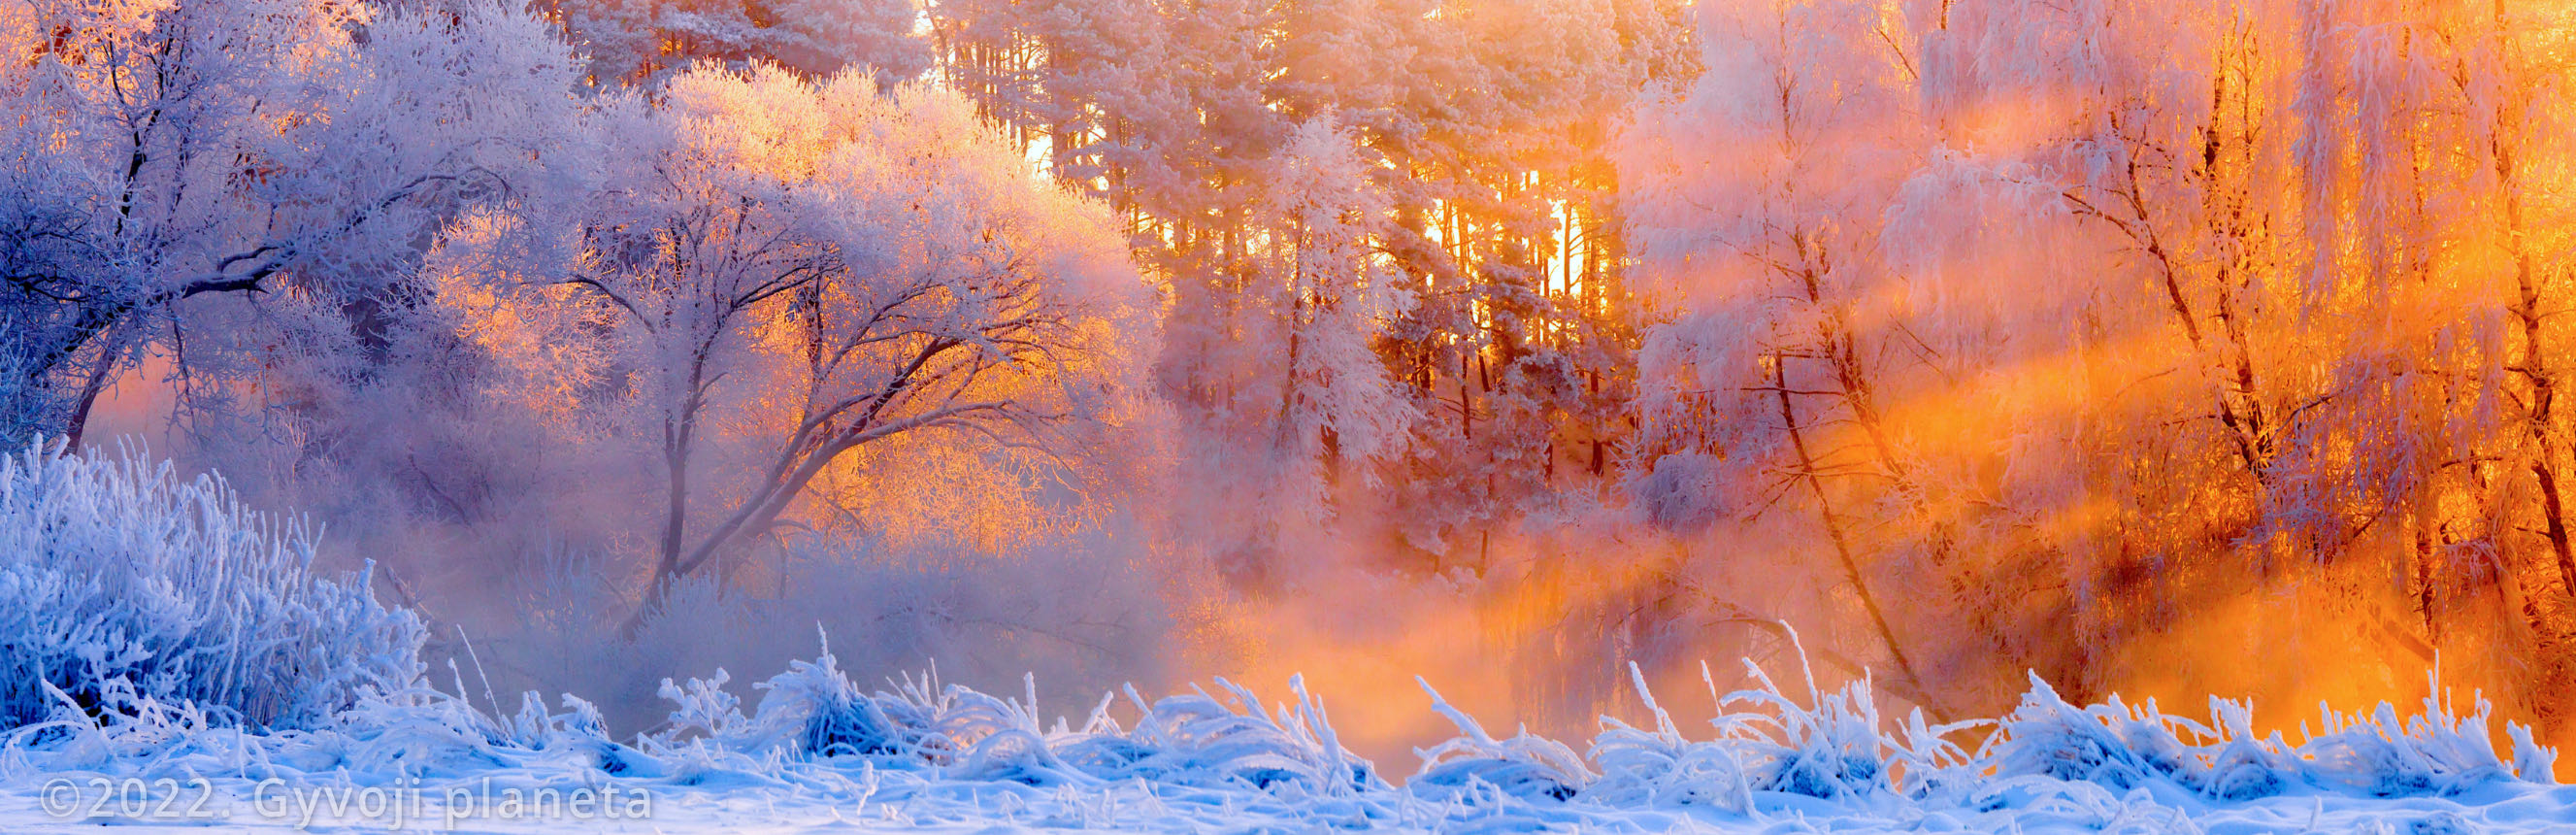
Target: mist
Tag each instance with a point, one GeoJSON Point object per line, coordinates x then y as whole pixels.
{"type": "Point", "coordinates": [2149, 349]}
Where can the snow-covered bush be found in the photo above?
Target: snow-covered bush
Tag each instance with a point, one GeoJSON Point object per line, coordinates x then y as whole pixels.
{"type": "Point", "coordinates": [1660, 766]}
{"type": "Point", "coordinates": [1834, 745]}
{"type": "Point", "coordinates": [124, 586]}
{"type": "Point", "coordinates": [814, 712]}
{"type": "Point", "coordinates": [1526, 765]}
{"type": "Point", "coordinates": [1830, 745]}
{"type": "Point", "coordinates": [1195, 738]}
{"type": "Point", "coordinates": [2437, 752]}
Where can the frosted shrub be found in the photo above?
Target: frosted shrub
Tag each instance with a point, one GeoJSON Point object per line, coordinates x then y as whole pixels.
{"type": "Point", "coordinates": [1660, 766]}
{"type": "Point", "coordinates": [122, 583]}
{"type": "Point", "coordinates": [1830, 744]}
{"type": "Point", "coordinates": [1525, 765]}
{"type": "Point", "coordinates": [1827, 747]}
{"type": "Point", "coordinates": [2436, 752]}
{"type": "Point", "coordinates": [2111, 744]}
{"type": "Point", "coordinates": [1198, 737]}
{"type": "Point", "coordinates": [812, 710]}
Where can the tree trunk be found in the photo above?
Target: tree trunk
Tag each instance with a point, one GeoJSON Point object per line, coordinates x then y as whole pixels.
{"type": "Point", "coordinates": [110, 356]}
{"type": "Point", "coordinates": [1834, 531]}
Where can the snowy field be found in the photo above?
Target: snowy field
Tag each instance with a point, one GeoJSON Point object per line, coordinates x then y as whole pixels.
{"type": "Point", "coordinates": [816, 755]}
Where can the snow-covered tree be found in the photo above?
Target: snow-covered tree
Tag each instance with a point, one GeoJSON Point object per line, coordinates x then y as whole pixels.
{"type": "Point", "coordinates": [1483, 129]}
{"type": "Point", "coordinates": [1338, 403]}
{"type": "Point", "coordinates": [216, 148]}
{"type": "Point", "coordinates": [2078, 311]}
{"type": "Point", "coordinates": [1309, 383]}
{"type": "Point", "coordinates": [779, 272]}
{"type": "Point", "coordinates": [1762, 195]}
{"type": "Point", "coordinates": [647, 41]}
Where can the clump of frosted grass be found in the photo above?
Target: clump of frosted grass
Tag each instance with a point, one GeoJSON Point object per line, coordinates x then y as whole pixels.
{"type": "Point", "coordinates": [128, 591]}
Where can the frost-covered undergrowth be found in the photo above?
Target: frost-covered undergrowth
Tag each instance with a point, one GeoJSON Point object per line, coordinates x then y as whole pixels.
{"type": "Point", "coordinates": [152, 629]}
{"type": "Point", "coordinates": [815, 749]}
{"type": "Point", "coordinates": [127, 590]}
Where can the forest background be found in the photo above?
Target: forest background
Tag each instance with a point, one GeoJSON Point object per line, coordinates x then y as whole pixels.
{"type": "Point", "coordinates": [2158, 348]}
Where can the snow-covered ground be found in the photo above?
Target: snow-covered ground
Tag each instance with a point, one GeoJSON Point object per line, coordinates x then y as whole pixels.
{"type": "Point", "coordinates": [843, 802]}
{"type": "Point", "coordinates": [817, 755]}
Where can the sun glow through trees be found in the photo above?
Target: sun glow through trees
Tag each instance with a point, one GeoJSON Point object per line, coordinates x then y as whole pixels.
{"type": "Point", "coordinates": [2155, 347]}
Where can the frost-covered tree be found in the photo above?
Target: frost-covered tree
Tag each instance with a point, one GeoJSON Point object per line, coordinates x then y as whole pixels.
{"type": "Point", "coordinates": [644, 42]}
{"type": "Point", "coordinates": [1308, 381]}
{"type": "Point", "coordinates": [1338, 402]}
{"type": "Point", "coordinates": [2111, 314]}
{"type": "Point", "coordinates": [1771, 381]}
{"type": "Point", "coordinates": [775, 273]}
{"type": "Point", "coordinates": [1483, 127]}
{"type": "Point", "coordinates": [207, 149]}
